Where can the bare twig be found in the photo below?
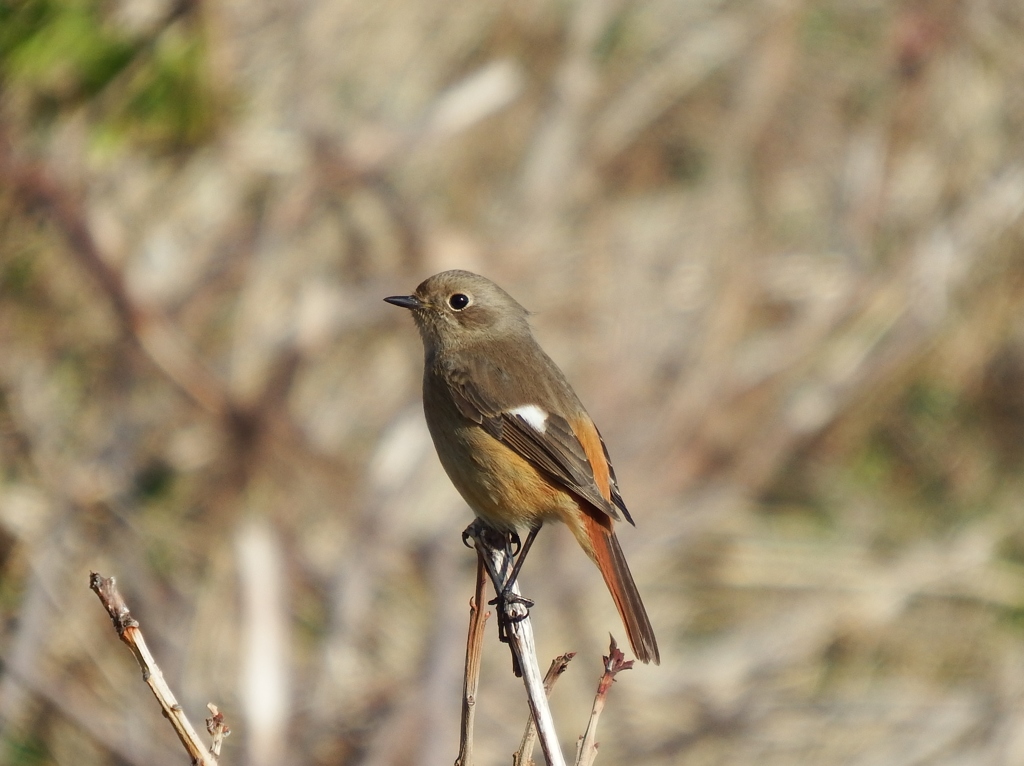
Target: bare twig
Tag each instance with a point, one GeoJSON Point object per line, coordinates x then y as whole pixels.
{"type": "Point", "coordinates": [128, 631]}
{"type": "Point", "coordinates": [217, 728]}
{"type": "Point", "coordinates": [524, 755]}
{"type": "Point", "coordinates": [499, 564]}
{"type": "Point", "coordinates": [586, 749]}
{"type": "Point", "coordinates": [474, 653]}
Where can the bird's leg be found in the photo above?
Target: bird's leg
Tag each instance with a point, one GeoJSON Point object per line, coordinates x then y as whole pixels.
{"type": "Point", "coordinates": [504, 596]}
{"type": "Point", "coordinates": [520, 557]}
{"type": "Point", "coordinates": [482, 534]}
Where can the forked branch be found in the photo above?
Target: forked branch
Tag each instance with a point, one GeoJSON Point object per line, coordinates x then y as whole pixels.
{"type": "Point", "coordinates": [129, 632]}
{"type": "Point", "coordinates": [493, 547]}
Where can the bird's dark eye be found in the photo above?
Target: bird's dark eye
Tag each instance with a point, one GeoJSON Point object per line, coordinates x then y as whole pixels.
{"type": "Point", "coordinates": [458, 301]}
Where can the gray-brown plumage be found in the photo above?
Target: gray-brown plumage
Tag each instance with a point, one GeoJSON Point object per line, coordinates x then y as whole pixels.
{"type": "Point", "coordinates": [511, 433]}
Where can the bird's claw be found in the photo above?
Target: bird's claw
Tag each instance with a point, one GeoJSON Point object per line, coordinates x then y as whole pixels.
{"type": "Point", "coordinates": [515, 543]}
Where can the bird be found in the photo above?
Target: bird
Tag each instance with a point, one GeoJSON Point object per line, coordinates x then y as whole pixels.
{"type": "Point", "coordinates": [513, 436]}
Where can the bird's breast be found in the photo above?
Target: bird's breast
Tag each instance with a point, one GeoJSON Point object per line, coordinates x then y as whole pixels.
{"type": "Point", "coordinates": [500, 486]}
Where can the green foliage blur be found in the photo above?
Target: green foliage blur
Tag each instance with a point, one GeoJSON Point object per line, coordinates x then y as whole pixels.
{"type": "Point", "coordinates": [150, 89]}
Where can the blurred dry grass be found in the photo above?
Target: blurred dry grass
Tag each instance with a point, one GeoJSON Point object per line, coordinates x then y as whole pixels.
{"type": "Point", "coordinates": [775, 245]}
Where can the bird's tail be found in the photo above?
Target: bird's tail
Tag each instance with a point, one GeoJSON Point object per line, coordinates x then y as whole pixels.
{"type": "Point", "coordinates": [608, 556]}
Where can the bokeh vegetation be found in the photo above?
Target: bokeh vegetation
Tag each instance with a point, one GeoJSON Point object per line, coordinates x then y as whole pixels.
{"type": "Point", "coordinates": [775, 245]}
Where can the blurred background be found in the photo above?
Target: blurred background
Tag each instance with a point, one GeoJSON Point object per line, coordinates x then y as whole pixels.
{"type": "Point", "coordinates": [776, 246]}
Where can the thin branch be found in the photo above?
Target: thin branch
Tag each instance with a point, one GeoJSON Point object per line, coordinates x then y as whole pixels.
{"type": "Point", "coordinates": [474, 653]}
{"type": "Point", "coordinates": [499, 564]}
{"type": "Point", "coordinates": [128, 631]}
{"type": "Point", "coordinates": [217, 728]}
{"type": "Point", "coordinates": [524, 755]}
{"type": "Point", "coordinates": [586, 749]}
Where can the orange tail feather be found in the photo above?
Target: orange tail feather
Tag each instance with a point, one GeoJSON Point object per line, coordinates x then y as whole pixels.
{"type": "Point", "coordinates": [610, 560]}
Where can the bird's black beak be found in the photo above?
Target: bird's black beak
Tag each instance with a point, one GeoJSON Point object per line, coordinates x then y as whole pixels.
{"type": "Point", "coordinates": [405, 301]}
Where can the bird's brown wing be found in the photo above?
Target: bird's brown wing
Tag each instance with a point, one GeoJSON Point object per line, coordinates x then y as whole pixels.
{"type": "Point", "coordinates": [554, 449]}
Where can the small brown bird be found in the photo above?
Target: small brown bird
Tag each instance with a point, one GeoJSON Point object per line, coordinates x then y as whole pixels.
{"type": "Point", "coordinates": [511, 433]}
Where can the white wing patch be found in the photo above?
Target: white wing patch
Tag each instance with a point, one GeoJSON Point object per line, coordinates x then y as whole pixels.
{"type": "Point", "coordinates": [533, 415]}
